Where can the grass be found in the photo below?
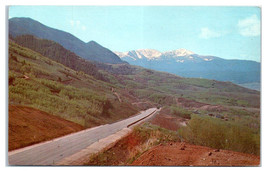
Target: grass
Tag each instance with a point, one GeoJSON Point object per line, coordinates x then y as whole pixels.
{"type": "Point", "coordinates": [148, 131]}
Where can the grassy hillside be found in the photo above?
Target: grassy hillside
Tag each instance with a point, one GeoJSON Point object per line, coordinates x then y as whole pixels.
{"type": "Point", "coordinates": [39, 82]}
{"type": "Point", "coordinates": [59, 54]}
{"type": "Point", "coordinates": [159, 87]}
{"type": "Point", "coordinates": [164, 88]}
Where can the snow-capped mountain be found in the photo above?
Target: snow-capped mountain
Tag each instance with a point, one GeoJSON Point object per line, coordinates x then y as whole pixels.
{"type": "Point", "coordinates": [148, 54]}
{"type": "Point", "coordinates": [189, 64]}
{"type": "Point", "coordinates": [180, 56]}
{"type": "Point", "coordinates": [179, 52]}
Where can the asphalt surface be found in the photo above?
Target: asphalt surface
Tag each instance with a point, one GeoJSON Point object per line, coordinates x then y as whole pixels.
{"type": "Point", "coordinates": [50, 152]}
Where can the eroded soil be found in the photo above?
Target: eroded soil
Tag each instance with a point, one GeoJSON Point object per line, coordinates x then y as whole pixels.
{"type": "Point", "coordinates": [27, 126]}
{"type": "Point", "coordinates": [182, 154]}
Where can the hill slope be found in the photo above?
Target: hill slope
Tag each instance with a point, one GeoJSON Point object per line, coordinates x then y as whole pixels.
{"type": "Point", "coordinates": [59, 54]}
{"type": "Point", "coordinates": [27, 126]}
{"type": "Point", "coordinates": [90, 51]}
{"type": "Point", "coordinates": [39, 82]}
{"type": "Point", "coordinates": [188, 64]}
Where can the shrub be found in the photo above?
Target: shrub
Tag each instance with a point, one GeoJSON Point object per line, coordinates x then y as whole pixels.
{"type": "Point", "coordinates": [11, 78]}
{"type": "Point", "coordinates": [219, 134]}
{"type": "Point", "coordinates": [162, 135]}
{"type": "Point", "coordinates": [178, 111]}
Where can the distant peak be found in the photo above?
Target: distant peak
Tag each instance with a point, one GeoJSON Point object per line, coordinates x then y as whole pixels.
{"type": "Point", "coordinates": [150, 53]}
{"type": "Point", "coordinates": [23, 19]}
{"type": "Point", "coordinates": [20, 18]}
{"type": "Point", "coordinates": [181, 52]}
{"type": "Point", "coordinates": [91, 42]}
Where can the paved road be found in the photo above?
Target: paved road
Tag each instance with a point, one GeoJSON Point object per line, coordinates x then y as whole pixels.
{"type": "Point", "coordinates": [50, 152]}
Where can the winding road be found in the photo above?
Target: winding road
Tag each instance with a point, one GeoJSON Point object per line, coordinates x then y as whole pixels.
{"type": "Point", "coordinates": [50, 152]}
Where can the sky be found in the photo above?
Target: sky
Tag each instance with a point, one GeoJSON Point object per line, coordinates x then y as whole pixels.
{"type": "Point", "coordinates": [226, 32]}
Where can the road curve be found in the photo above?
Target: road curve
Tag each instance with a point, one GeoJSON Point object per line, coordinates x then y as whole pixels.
{"type": "Point", "coordinates": [50, 152]}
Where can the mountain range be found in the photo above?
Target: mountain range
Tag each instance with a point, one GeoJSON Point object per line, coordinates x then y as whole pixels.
{"type": "Point", "coordinates": [90, 51]}
{"type": "Point", "coordinates": [181, 62]}
{"type": "Point", "coordinates": [189, 64]}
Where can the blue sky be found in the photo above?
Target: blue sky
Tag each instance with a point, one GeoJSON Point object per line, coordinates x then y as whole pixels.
{"type": "Point", "coordinates": [227, 32]}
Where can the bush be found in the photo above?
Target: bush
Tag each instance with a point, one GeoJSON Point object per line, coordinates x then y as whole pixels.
{"type": "Point", "coordinates": [219, 134]}
{"type": "Point", "coordinates": [11, 78]}
{"type": "Point", "coordinates": [148, 131]}
{"type": "Point", "coordinates": [178, 111]}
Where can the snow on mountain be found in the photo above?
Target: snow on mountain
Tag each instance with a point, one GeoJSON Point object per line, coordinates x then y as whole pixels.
{"type": "Point", "coordinates": [140, 54]}
{"type": "Point", "coordinates": [206, 59]}
{"type": "Point", "coordinates": [149, 53]}
{"type": "Point", "coordinates": [179, 52]}
{"type": "Point", "coordinates": [180, 55]}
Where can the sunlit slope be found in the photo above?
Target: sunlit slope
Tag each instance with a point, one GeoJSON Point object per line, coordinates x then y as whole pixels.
{"type": "Point", "coordinates": [39, 82]}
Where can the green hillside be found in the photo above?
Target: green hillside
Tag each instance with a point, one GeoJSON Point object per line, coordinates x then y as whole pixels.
{"type": "Point", "coordinates": [59, 54]}
{"type": "Point", "coordinates": [83, 97]}
{"type": "Point", "coordinates": [39, 82]}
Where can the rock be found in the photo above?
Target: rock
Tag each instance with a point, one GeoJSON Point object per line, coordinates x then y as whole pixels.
{"type": "Point", "coordinates": [217, 150]}
{"type": "Point", "coordinates": [210, 153]}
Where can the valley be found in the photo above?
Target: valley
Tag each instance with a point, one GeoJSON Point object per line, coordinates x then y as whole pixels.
{"type": "Point", "coordinates": [58, 85]}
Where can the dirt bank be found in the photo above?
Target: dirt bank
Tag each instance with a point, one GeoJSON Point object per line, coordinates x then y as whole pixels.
{"type": "Point", "coordinates": [27, 126]}
{"type": "Point", "coordinates": [181, 154]}
{"type": "Point", "coordinates": [168, 121]}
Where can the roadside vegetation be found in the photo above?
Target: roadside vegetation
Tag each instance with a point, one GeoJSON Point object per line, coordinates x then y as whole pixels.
{"type": "Point", "coordinates": [201, 130]}
{"type": "Point", "coordinates": [215, 133]}
{"type": "Point", "coordinates": [180, 112]}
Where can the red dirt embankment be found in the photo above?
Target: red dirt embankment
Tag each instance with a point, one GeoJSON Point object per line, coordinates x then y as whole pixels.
{"type": "Point", "coordinates": [181, 154]}
{"type": "Point", "coordinates": [27, 126]}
